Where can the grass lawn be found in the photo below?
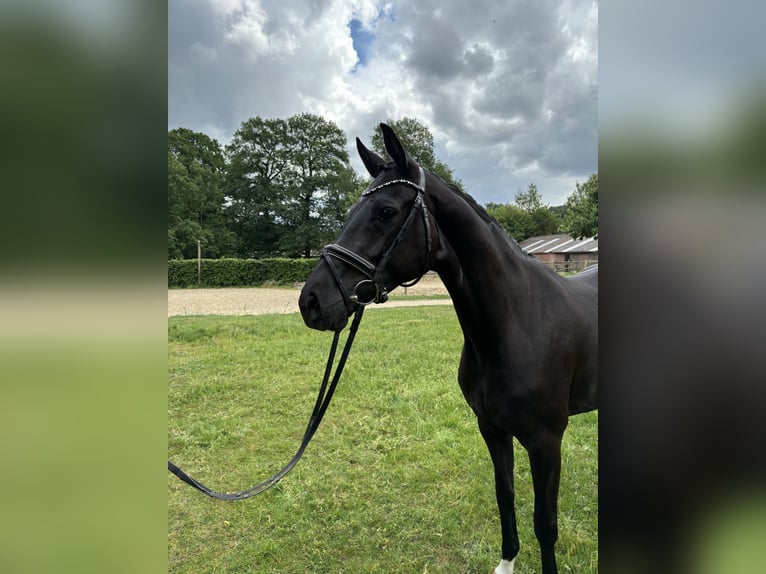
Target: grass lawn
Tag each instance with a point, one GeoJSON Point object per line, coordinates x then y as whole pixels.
{"type": "Point", "coordinates": [397, 478]}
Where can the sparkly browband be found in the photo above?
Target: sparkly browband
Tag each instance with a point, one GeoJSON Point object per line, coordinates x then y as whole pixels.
{"type": "Point", "coordinates": [420, 186]}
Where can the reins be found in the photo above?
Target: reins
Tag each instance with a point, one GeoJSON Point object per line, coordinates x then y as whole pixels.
{"type": "Point", "coordinates": [320, 407]}
{"type": "Point", "coordinates": [352, 299]}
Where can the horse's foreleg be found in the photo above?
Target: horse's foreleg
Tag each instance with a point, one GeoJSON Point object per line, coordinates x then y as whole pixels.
{"type": "Point", "coordinates": [501, 450]}
{"type": "Point", "coordinates": [545, 463]}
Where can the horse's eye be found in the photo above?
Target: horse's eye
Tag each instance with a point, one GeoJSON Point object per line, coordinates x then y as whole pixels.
{"type": "Point", "coordinates": [386, 213]}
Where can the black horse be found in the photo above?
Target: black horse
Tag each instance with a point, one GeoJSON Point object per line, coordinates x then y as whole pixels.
{"type": "Point", "coordinates": [531, 337]}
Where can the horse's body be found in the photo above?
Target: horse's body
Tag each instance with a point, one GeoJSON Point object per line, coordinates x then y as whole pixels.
{"type": "Point", "coordinates": [531, 337]}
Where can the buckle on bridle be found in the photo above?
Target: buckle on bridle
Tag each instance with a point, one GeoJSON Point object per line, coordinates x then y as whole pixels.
{"type": "Point", "coordinates": [368, 291]}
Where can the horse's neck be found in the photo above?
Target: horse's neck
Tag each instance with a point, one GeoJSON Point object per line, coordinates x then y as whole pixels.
{"type": "Point", "coordinates": [482, 278]}
{"type": "Point", "coordinates": [485, 273]}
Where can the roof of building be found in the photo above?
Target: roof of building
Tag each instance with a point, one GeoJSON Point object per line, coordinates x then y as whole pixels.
{"type": "Point", "coordinates": [559, 243]}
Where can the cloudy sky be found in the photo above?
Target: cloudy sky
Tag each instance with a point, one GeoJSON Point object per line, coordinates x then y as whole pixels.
{"type": "Point", "coordinates": [508, 89]}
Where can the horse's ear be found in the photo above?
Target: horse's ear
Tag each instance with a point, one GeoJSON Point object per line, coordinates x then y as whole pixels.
{"type": "Point", "coordinates": [395, 148]}
{"type": "Point", "coordinates": [372, 161]}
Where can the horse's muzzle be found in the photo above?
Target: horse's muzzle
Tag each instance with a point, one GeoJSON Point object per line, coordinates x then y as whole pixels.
{"type": "Point", "coordinates": [329, 314]}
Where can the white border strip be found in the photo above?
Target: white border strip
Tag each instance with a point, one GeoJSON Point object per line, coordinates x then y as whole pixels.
{"type": "Point", "coordinates": [554, 240]}
{"type": "Point", "coordinates": [578, 245]}
{"type": "Point", "coordinates": [559, 246]}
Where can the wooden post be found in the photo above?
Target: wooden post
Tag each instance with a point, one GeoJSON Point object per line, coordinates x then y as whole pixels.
{"type": "Point", "coordinates": [199, 262]}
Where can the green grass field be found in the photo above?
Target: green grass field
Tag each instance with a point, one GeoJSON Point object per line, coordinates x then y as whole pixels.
{"type": "Point", "coordinates": [396, 480]}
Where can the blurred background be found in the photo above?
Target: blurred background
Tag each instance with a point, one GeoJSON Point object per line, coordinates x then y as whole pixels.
{"type": "Point", "coordinates": [682, 134]}
{"type": "Point", "coordinates": [82, 286]}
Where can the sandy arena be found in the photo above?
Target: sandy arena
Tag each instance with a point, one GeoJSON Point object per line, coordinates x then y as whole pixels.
{"type": "Point", "coordinates": [263, 301]}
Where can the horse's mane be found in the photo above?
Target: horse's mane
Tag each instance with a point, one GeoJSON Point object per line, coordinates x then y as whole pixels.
{"type": "Point", "coordinates": [473, 204]}
{"type": "Point", "coordinates": [482, 213]}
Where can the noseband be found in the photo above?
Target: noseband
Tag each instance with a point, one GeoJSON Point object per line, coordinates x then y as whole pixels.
{"type": "Point", "coordinates": [372, 289]}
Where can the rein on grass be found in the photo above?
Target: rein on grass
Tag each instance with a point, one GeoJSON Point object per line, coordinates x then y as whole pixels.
{"type": "Point", "coordinates": [320, 407]}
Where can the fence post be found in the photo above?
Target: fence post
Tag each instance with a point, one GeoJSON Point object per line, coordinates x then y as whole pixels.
{"type": "Point", "coordinates": [199, 262]}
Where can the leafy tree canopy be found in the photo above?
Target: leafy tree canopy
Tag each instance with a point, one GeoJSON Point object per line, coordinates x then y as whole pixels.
{"type": "Point", "coordinates": [527, 216]}
{"type": "Point", "coordinates": [529, 200]}
{"type": "Point", "coordinates": [419, 141]}
{"type": "Point", "coordinates": [195, 194]}
{"type": "Point", "coordinates": [282, 187]}
{"type": "Point", "coordinates": [581, 218]}
{"type": "Point", "coordinates": [290, 184]}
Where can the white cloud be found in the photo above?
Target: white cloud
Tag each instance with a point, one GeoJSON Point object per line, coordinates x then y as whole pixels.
{"type": "Point", "coordinates": [226, 7]}
{"type": "Point", "coordinates": [508, 89]}
{"type": "Point", "coordinates": [248, 30]}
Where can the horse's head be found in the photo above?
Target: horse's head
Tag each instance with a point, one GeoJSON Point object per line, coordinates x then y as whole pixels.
{"type": "Point", "coordinates": [386, 241]}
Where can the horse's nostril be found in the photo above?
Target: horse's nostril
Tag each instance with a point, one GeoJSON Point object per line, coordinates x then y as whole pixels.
{"type": "Point", "coordinates": [311, 305]}
{"type": "Point", "coordinates": [312, 311]}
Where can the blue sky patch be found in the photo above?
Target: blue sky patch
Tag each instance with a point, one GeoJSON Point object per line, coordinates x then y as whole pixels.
{"type": "Point", "coordinates": [362, 40]}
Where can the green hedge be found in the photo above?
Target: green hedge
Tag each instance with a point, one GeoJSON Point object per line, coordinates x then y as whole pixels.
{"type": "Point", "coordinates": [238, 272]}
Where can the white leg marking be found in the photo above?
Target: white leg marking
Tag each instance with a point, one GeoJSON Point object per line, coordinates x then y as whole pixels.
{"type": "Point", "coordinates": [505, 567]}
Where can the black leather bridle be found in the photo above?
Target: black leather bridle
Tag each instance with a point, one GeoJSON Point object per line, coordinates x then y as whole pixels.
{"type": "Point", "coordinates": [373, 289]}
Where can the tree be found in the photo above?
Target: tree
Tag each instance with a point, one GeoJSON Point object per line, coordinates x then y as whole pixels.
{"type": "Point", "coordinates": [545, 221]}
{"type": "Point", "coordinates": [559, 211]}
{"type": "Point", "coordinates": [581, 218]}
{"type": "Point", "coordinates": [319, 184]}
{"type": "Point", "coordinates": [527, 217]}
{"type": "Point", "coordinates": [514, 220]}
{"type": "Point", "coordinates": [288, 181]}
{"type": "Point", "coordinates": [195, 196]}
{"type": "Point", "coordinates": [346, 190]}
{"type": "Point", "coordinates": [419, 141]}
{"type": "Point", "coordinates": [256, 157]}
{"type": "Point", "coordinates": [529, 200]}
{"type": "Point", "coordinates": [538, 219]}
